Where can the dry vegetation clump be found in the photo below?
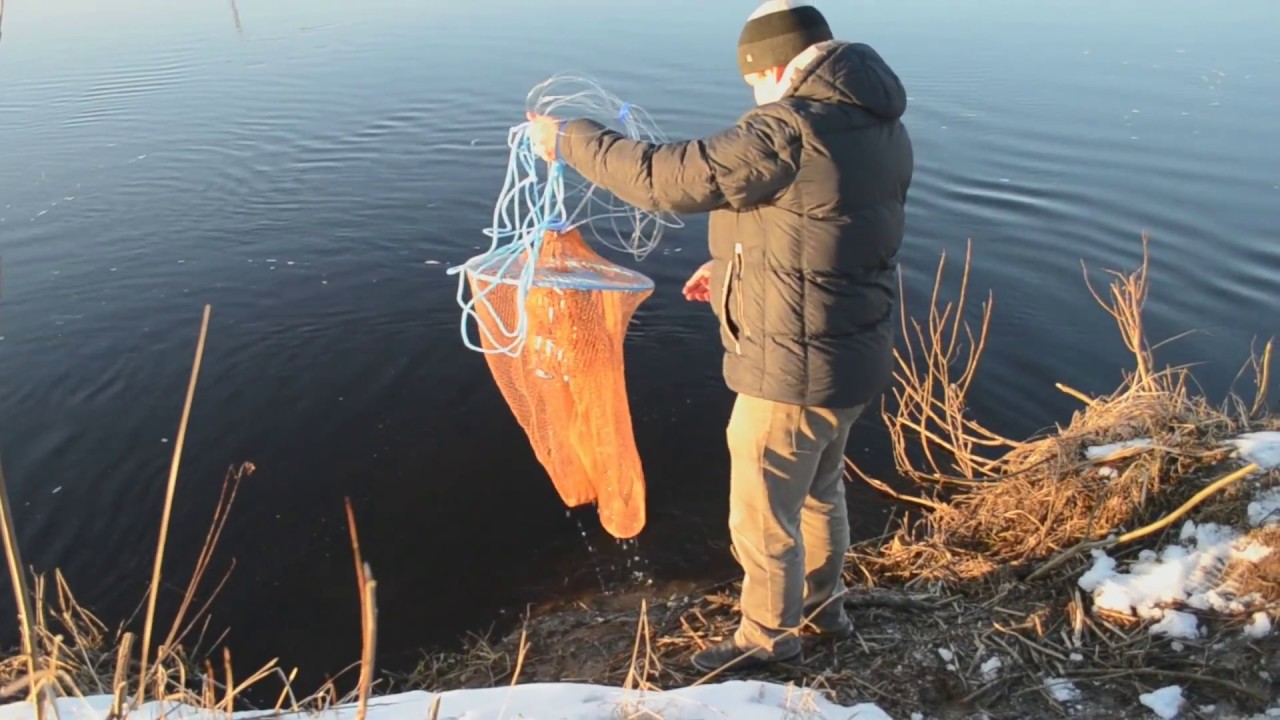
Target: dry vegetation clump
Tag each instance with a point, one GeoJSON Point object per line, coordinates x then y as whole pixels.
{"type": "Point", "coordinates": [1009, 527]}
{"type": "Point", "coordinates": [995, 517]}
{"type": "Point", "coordinates": [68, 652]}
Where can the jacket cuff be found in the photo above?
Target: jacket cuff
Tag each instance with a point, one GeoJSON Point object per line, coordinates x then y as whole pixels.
{"type": "Point", "coordinates": [573, 134]}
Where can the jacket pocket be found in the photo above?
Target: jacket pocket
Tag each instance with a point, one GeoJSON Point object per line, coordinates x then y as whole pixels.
{"type": "Point", "coordinates": [732, 322]}
{"type": "Point", "coordinates": [738, 294]}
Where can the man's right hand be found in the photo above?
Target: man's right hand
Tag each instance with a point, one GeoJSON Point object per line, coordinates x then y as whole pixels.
{"type": "Point", "coordinates": [698, 288]}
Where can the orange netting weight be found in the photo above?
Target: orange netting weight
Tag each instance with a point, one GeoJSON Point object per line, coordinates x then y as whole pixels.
{"type": "Point", "coordinates": [567, 384]}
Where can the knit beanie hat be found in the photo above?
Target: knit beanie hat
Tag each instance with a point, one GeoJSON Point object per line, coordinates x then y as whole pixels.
{"type": "Point", "coordinates": [777, 32]}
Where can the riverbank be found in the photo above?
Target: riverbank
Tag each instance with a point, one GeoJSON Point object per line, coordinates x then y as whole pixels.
{"type": "Point", "coordinates": [1126, 564]}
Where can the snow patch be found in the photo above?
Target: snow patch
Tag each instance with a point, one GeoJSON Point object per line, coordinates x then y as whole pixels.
{"type": "Point", "coordinates": [1165, 702]}
{"type": "Point", "coordinates": [1262, 448]}
{"type": "Point", "coordinates": [991, 668]}
{"type": "Point", "coordinates": [1259, 625]}
{"type": "Point", "coordinates": [740, 700]}
{"type": "Point", "coordinates": [1265, 508]}
{"type": "Point", "coordinates": [1097, 452]}
{"type": "Point", "coordinates": [1188, 573]}
{"type": "Point", "coordinates": [1177, 624]}
{"type": "Point", "coordinates": [1062, 690]}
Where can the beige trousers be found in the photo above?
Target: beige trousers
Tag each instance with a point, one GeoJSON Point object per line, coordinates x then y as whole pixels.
{"type": "Point", "coordinates": [787, 518]}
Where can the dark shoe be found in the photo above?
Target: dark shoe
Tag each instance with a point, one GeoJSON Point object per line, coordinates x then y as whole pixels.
{"type": "Point", "coordinates": [843, 632]}
{"type": "Point", "coordinates": [728, 656]}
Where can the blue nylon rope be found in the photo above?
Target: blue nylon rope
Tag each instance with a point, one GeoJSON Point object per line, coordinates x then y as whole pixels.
{"type": "Point", "coordinates": [527, 207]}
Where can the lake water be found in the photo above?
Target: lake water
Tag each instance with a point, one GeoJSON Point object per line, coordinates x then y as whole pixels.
{"type": "Point", "coordinates": [312, 169]}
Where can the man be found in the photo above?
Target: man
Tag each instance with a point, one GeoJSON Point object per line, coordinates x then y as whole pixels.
{"type": "Point", "coordinates": [806, 195]}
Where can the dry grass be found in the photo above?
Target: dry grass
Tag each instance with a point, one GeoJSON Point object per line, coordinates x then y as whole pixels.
{"type": "Point", "coordinates": [68, 652]}
{"type": "Point", "coordinates": [75, 653]}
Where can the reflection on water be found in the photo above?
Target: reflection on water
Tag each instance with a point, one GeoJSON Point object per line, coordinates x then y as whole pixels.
{"type": "Point", "coordinates": [312, 171]}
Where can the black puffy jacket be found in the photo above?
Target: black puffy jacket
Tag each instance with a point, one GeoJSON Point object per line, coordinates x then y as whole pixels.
{"type": "Point", "coordinates": [807, 198]}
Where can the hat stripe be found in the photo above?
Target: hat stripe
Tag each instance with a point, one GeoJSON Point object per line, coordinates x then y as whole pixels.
{"type": "Point", "coordinates": [773, 6]}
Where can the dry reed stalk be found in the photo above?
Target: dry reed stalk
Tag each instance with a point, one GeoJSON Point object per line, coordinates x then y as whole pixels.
{"type": "Point", "coordinates": [1263, 372]}
{"type": "Point", "coordinates": [637, 677]}
{"type": "Point", "coordinates": [369, 611]}
{"type": "Point", "coordinates": [367, 587]}
{"type": "Point", "coordinates": [1261, 367]}
{"type": "Point", "coordinates": [222, 510]}
{"type": "Point", "coordinates": [286, 691]}
{"type": "Point", "coordinates": [227, 698]}
{"type": "Point", "coordinates": [154, 590]}
{"type": "Point", "coordinates": [521, 654]}
{"type": "Point", "coordinates": [355, 547]}
{"type": "Point", "coordinates": [87, 631]}
{"type": "Point", "coordinates": [120, 681]}
{"type": "Point", "coordinates": [876, 483]}
{"type": "Point", "coordinates": [1128, 296]}
{"type": "Point", "coordinates": [21, 595]}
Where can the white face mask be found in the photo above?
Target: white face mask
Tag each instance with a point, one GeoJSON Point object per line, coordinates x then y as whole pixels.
{"type": "Point", "coordinates": [767, 92]}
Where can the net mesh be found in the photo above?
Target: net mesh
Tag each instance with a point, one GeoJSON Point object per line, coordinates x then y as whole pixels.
{"type": "Point", "coordinates": [567, 387]}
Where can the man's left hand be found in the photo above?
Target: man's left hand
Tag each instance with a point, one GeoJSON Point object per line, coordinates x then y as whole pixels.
{"type": "Point", "coordinates": [543, 130]}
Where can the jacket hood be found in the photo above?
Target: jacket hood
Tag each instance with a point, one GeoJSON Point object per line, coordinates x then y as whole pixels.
{"type": "Point", "coordinates": [851, 74]}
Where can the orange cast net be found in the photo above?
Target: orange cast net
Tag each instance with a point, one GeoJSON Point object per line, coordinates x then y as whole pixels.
{"type": "Point", "coordinates": [552, 314]}
{"type": "Point", "coordinates": [566, 385]}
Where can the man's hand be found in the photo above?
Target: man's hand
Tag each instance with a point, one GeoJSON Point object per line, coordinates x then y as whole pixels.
{"type": "Point", "coordinates": [543, 130]}
{"type": "Point", "coordinates": [698, 288]}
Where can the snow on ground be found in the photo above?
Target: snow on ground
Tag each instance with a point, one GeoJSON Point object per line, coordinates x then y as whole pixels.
{"type": "Point", "coordinates": [734, 700]}
{"type": "Point", "coordinates": [1259, 447]}
{"type": "Point", "coordinates": [1265, 508]}
{"type": "Point", "coordinates": [1165, 702]}
{"type": "Point", "coordinates": [1062, 690]}
{"type": "Point", "coordinates": [991, 668]}
{"type": "Point", "coordinates": [1262, 448]}
{"type": "Point", "coordinates": [1188, 572]}
{"type": "Point", "coordinates": [1098, 452]}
